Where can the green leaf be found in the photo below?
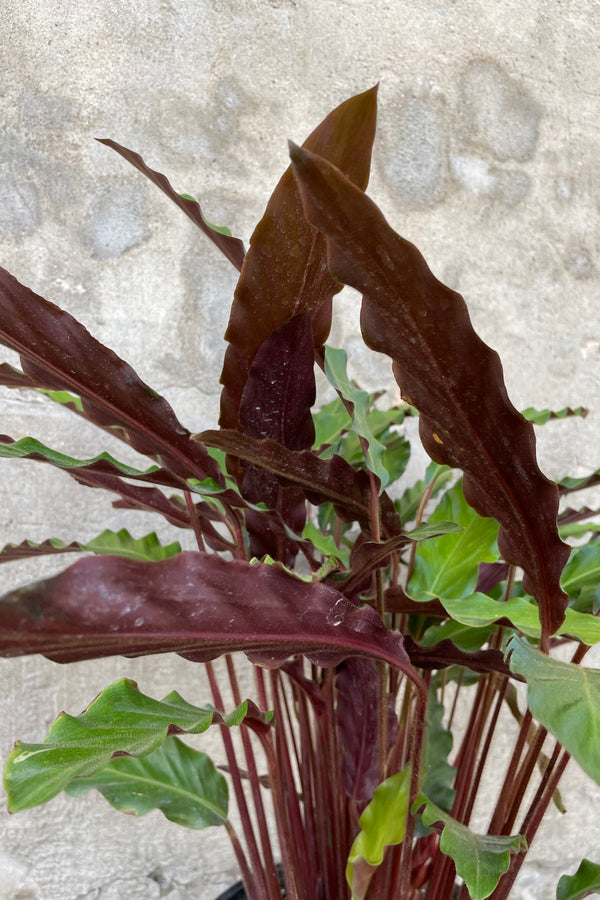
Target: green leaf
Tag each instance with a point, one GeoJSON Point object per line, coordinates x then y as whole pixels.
{"type": "Point", "coordinates": [335, 368]}
{"type": "Point", "coordinates": [330, 422]}
{"type": "Point", "coordinates": [120, 720]}
{"type": "Point", "coordinates": [585, 881]}
{"type": "Point", "coordinates": [222, 229]}
{"type": "Point", "coordinates": [121, 543]}
{"type": "Point", "coordinates": [408, 504]}
{"type": "Point", "coordinates": [565, 698]}
{"type": "Point", "coordinates": [479, 610]}
{"type": "Point", "coordinates": [325, 544]}
{"type": "Point", "coordinates": [541, 416]}
{"type": "Point", "coordinates": [448, 567]}
{"type": "Point", "coordinates": [437, 746]}
{"type": "Point", "coordinates": [382, 824]}
{"type": "Point", "coordinates": [113, 543]}
{"type": "Point", "coordinates": [432, 529]}
{"type": "Point", "coordinates": [28, 445]}
{"type": "Point", "coordinates": [180, 781]}
{"type": "Point", "coordinates": [581, 575]}
{"type": "Point", "coordinates": [480, 859]}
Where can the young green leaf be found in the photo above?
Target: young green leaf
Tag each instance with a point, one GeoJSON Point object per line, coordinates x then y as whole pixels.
{"type": "Point", "coordinates": [181, 782]}
{"type": "Point", "coordinates": [335, 368]}
{"type": "Point", "coordinates": [478, 610]}
{"type": "Point", "coordinates": [584, 882]}
{"type": "Point", "coordinates": [120, 720]}
{"type": "Point", "coordinates": [331, 421]}
{"type": "Point", "coordinates": [448, 566]}
{"type": "Point", "coordinates": [480, 859]}
{"type": "Point", "coordinates": [119, 543]}
{"type": "Point", "coordinates": [382, 824]}
{"type": "Point", "coordinates": [565, 698]}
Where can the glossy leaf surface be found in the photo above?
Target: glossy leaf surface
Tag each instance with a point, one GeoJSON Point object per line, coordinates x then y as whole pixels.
{"type": "Point", "coordinates": [321, 479]}
{"type": "Point", "coordinates": [276, 403]}
{"type": "Point", "coordinates": [60, 354]}
{"type": "Point", "coordinates": [480, 859]}
{"type": "Point", "coordinates": [176, 779]}
{"type": "Point", "coordinates": [285, 269]}
{"type": "Point", "coordinates": [565, 698]}
{"type": "Point", "coordinates": [479, 610]}
{"type": "Point", "coordinates": [449, 566]}
{"type": "Point", "coordinates": [194, 604]}
{"type": "Point", "coordinates": [447, 372]}
{"type": "Point", "coordinates": [120, 720]}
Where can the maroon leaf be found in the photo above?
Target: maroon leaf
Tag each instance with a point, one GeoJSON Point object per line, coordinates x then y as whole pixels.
{"type": "Point", "coordinates": [445, 653]}
{"type": "Point", "coordinates": [276, 403]}
{"type": "Point", "coordinates": [58, 353]}
{"type": "Point", "coordinates": [13, 378]}
{"type": "Point", "coordinates": [230, 246]}
{"type": "Point", "coordinates": [194, 604]}
{"type": "Point", "coordinates": [28, 550]}
{"type": "Point", "coordinates": [285, 269]}
{"type": "Point", "coordinates": [447, 372]}
{"type": "Point", "coordinates": [357, 711]}
{"type": "Point", "coordinates": [98, 466]}
{"type": "Point", "coordinates": [330, 479]}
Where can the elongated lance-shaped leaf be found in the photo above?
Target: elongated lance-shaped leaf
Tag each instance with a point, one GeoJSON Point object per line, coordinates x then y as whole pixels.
{"type": "Point", "coordinates": [358, 708]}
{"type": "Point", "coordinates": [565, 698]}
{"type": "Point", "coordinates": [285, 268]}
{"type": "Point", "coordinates": [276, 403]}
{"type": "Point", "coordinates": [194, 604]}
{"type": "Point", "coordinates": [446, 371]}
{"type": "Point", "coordinates": [230, 246]}
{"type": "Point", "coordinates": [321, 479]}
{"type": "Point", "coordinates": [60, 354]}
{"type": "Point", "coordinates": [120, 720]}
{"type": "Point", "coordinates": [119, 543]}
{"type": "Point", "coordinates": [480, 859]}
{"type": "Point", "coordinates": [103, 464]}
{"type": "Point", "coordinates": [181, 782]}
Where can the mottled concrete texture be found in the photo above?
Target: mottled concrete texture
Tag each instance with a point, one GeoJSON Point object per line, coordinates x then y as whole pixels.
{"type": "Point", "coordinates": [487, 159]}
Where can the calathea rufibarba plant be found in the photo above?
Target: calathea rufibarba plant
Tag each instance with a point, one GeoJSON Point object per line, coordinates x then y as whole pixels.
{"type": "Point", "coordinates": [371, 609]}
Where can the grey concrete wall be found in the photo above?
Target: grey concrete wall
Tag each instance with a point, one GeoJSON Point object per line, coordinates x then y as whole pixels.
{"type": "Point", "coordinates": [487, 159]}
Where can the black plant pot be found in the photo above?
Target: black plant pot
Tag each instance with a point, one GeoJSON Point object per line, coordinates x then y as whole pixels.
{"type": "Point", "coordinates": [235, 892]}
{"type": "Point", "coordinates": [238, 892]}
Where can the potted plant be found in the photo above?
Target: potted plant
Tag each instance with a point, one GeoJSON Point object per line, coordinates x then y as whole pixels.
{"type": "Point", "coordinates": [369, 607]}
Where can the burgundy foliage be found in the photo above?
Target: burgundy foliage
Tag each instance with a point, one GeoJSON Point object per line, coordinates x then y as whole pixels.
{"type": "Point", "coordinates": [454, 379]}
{"type": "Point", "coordinates": [194, 604]}
{"type": "Point", "coordinates": [285, 269]}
